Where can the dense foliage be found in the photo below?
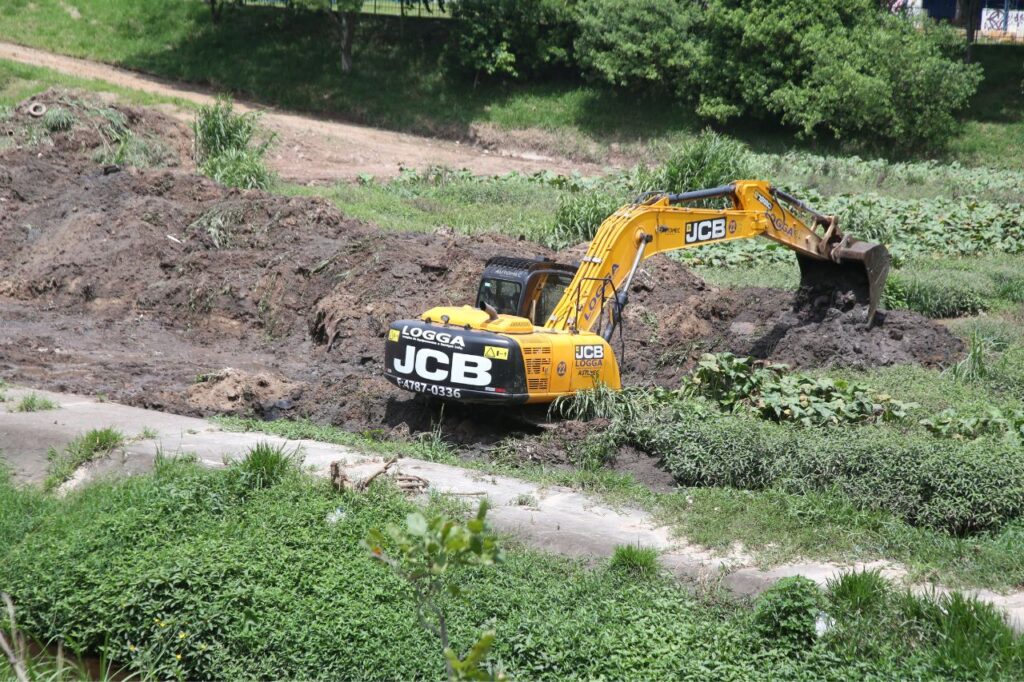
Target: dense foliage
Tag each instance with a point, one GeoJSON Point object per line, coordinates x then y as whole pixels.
{"type": "Point", "coordinates": [189, 573]}
{"type": "Point", "coordinates": [509, 38]}
{"type": "Point", "coordinates": [226, 147]}
{"type": "Point", "coordinates": [950, 485]}
{"type": "Point", "coordinates": [850, 69]}
{"type": "Point", "coordinates": [773, 392]}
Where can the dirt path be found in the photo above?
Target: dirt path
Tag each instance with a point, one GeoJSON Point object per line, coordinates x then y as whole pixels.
{"type": "Point", "coordinates": [315, 149]}
{"type": "Point", "coordinates": [553, 518]}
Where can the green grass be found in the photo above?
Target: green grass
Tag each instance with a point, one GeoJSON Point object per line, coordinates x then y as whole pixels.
{"type": "Point", "coordinates": [287, 60]}
{"type": "Point", "coordinates": [34, 402]}
{"type": "Point", "coordinates": [18, 82]}
{"type": "Point", "coordinates": [778, 527]}
{"type": "Point", "coordinates": [635, 560]}
{"type": "Point", "coordinates": [516, 205]}
{"type": "Point", "coordinates": [613, 487]}
{"type": "Point", "coordinates": [87, 447]}
{"type": "Point", "coordinates": [176, 574]}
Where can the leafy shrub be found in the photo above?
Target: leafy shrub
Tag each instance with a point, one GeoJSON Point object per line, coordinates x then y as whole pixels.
{"type": "Point", "coordinates": [509, 39]}
{"type": "Point", "coordinates": [425, 553]}
{"type": "Point", "coordinates": [635, 560]}
{"type": "Point", "coordinates": [882, 78]}
{"type": "Point", "coordinates": [226, 149]}
{"type": "Point", "coordinates": [846, 68]}
{"type": "Point", "coordinates": [243, 168]}
{"type": "Point", "coordinates": [646, 45]}
{"type": "Point", "coordinates": [265, 466]}
{"type": "Point", "coordinates": [775, 393]}
{"type": "Point", "coordinates": [788, 612]}
{"type": "Point", "coordinates": [709, 160]}
{"type": "Point", "coordinates": [57, 119]}
{"type": "Point", "coordinates": [958, 487]}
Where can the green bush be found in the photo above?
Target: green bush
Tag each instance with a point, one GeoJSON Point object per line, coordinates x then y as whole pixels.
{"type": "Point", "coordinates": [243, 168]}
{"type": "Point", "coordinates": [788, 612]}
{"type": "Point", "coordinates": [949, 485]}
{"type": "Point", "coordinates": [264, 466]}
{"type": "Point", "coordinates": [880, 79]}
{"type": "Point", "coordinates": [218, 129]}
{"type": "Point", "coordinates": [635, 560]}
{"type": "Point", "coordinates": [225, 146]}
{"type": "Point", "coordinates": [709, 160]}
{"type": "Point", "coordinates": [579, 215]}
{"type": "Point", "coordinates": [509, 39]}
{"type": "Point", "coordinates": [643, 45]}
{"type": "Point", "coordinates": [850, 69]}
{"type": "Point", "coordinates": [57, 119]}
{"type": "Point", "coordinates": [278, 585]}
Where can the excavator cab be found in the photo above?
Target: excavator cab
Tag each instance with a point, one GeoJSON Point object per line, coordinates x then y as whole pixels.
{"type": "Point", "coordinates": [525, 287]}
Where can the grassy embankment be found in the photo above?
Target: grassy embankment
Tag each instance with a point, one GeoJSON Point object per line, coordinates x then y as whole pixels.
{"type": "Point", "coordinates": [281, 59]}
{"type": "Point", "coordinates": [909, 206]}
{"type": "Point", "coordinates": [193, 573]}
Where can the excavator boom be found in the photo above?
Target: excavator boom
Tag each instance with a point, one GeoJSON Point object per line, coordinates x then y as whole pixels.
{"type": "Point", "coordinates": [662, 222]}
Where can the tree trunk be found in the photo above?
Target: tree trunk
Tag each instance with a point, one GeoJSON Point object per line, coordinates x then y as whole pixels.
{"type": "Point", "coordinates": [972, 8]}
{"type": "Point", "coordinates": [348, 34]}
{"type": "Point", "coordinates": [344, 24]}
{"type": "Point", "coordinates": [215, 9]}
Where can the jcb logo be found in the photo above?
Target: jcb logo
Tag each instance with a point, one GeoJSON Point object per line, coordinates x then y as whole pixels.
{"type": "Point", "coordinates": [594, 352]}
{"type": "Point", "coordinates": [431, 364]}
{"type": "Point", "coordinates": [705, 230]}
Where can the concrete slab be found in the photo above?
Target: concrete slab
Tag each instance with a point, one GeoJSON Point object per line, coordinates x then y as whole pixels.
{"type": "Point", "coordinates": [556, 519]}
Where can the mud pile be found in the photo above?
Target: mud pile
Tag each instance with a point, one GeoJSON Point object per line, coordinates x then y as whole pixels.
{"type": "Point", "coordinates": [146, 284]}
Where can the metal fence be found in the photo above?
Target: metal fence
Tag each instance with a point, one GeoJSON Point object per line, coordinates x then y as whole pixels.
{"type": "Point", "coordinates": [386, 7]}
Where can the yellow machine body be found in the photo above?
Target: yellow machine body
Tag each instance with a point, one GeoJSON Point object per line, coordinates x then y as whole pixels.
{"type": "Point", "coordinates": [475, 354]}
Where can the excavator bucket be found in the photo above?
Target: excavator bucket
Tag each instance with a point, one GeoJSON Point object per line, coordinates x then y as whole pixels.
{"type": "Point", "coordinates": [859, 267]}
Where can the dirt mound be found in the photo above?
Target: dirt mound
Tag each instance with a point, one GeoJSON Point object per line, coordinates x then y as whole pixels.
{"type": "Point", "coordinates": [132, 282]}
{"type": "Point", "coordinates": [232, 391]}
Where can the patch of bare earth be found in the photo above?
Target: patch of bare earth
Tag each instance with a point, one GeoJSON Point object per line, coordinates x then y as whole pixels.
{"type": "Point", "coordinates": [145, 285]}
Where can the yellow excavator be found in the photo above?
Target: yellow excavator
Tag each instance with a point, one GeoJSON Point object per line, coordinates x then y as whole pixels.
{"type": "Point", "coordinates": [541, 330]}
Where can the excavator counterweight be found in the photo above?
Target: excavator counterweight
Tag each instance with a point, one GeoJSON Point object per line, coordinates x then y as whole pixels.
{"type": "Point", "coordinates": [540, 330]}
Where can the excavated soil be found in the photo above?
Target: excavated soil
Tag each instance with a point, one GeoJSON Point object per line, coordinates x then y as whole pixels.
{"type": "Point", "coordinates": [160, 288]}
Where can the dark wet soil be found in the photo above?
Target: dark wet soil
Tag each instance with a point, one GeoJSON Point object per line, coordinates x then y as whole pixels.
{"type": "Point", "coordinates": [162, 289]}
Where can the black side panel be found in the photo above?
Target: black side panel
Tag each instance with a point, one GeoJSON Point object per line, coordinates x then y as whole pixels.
{"type": "Point", "coordinates": [450, 362]}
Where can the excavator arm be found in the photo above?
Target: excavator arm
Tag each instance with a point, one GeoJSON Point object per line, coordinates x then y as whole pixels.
{"type": "Point", "coordinates": [661, 222]}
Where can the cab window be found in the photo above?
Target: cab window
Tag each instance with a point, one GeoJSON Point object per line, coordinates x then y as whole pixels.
{"type": "Point", "coordinates": [550, 295]}
{"type": "Point", "coordinates": [500, 294]}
